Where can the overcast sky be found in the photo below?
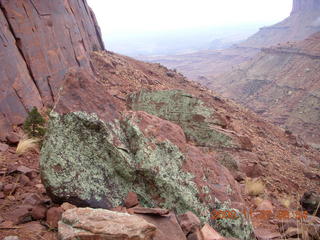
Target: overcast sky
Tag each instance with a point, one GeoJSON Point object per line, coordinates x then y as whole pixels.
{"type": "Point", "coordinates": [127, 16]}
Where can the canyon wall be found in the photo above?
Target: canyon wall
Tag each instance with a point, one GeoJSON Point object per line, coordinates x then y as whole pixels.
{"type": "Point", "coordinates": [282, 84]}
{"type": "Point", "coordinates": [39, 42]}
{"type": "Point", "coordinates": [303, 21]}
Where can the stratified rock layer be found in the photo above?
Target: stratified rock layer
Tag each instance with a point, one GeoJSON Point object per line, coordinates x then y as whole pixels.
{"type": "Point", "coordinates": [39, 42]}
{"type": "Point", "coordinates": [282, 84]}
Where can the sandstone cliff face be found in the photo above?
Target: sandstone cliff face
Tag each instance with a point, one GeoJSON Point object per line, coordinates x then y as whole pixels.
{"type": "Point", "coordinates": [303, 21]}
{"type": "Point", "coordinates": [282, 84]}
{"type": "Point", "coordinates": [39, 42]}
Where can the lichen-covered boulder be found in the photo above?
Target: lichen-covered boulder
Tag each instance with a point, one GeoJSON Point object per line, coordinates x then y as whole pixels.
{"type": "Point", "coordinates": [92, 163]}
{"type": "Point", "coordinates": [89, 162]}
{"type": "Point", "coordinates": [200, 123]}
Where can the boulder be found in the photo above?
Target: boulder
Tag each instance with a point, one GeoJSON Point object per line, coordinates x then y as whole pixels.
{"type": "Point", "coordinates": [310, 201]}
{"type": "Point", "coordinates": [3, 147]}
{"type": "Point", "coordinates": [90, 162]}
{"type": "Point", "coordinates": [86, 223]}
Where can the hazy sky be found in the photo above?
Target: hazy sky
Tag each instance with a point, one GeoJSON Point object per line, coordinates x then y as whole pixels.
{"type": "Point", "coordinates": [127, 16]}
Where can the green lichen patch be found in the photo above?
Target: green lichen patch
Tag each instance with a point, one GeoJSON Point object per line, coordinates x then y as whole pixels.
{"type": "Point", "coordinates": [239, 227]}
{"type": "Point", "coordinates": [228, 161]}
{"type": "Point", "coordinates": [197, 120]}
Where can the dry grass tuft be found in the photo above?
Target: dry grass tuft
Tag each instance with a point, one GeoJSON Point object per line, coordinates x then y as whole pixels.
{"type": "Point", "coordinates": [286, 202]}
{"type": "Point", "coordinates": [254, 187]}
{"type": "Point", "coordinates": [27, 144]}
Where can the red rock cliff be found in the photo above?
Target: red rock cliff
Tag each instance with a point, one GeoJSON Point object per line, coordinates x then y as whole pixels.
{"type": "Point", "coordinates": [39, 41]}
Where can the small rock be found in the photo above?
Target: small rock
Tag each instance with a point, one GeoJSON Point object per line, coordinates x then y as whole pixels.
{"type": "Point", "coordinates": [41, 188]}
{"type": "Point", "coordinates": [11, 198]}
{"type": "Point", "coordinates": [24, 169]}
{"type": "Point", "coordinates": [32, 175]}
{"type": "Point", "coordinates": [209, 233]}
{"type": "Point", "coordinates": [11, 238]}
{"type": "Point", "coordinates": [240, 176]}
{"type": "Point", "coordinates": [266, 234]}
{"type": "Point", "coordinates": [87, 223]}
{"type": "Point", "coordinates": [292, 232]}
{"type": "Point", "coordinates": [170, 74]}
{"type": "Point", "coordinates": [32, 199]}
{"type": "Point", "coordinates": [153, 211]}
{"type": "Point", "coordinates": [38, 212]}
{"type": "Point", "coordinates": [1, 186]}
{"type": "Point", "coordinates": [311, 175]}
{"type": "Point", "coordinates": [189, 222]}
{"type": "Point", "coordinates": [24, 180]}
{"type": "Point", "coordinates": [264, 163]}
{"type": "Point", "coordinates": [6, 224]}
{"type": "Point", "coordinates": [3, 147]}
{"type": "Point", "coordinates": [122, 210]}
{"type": "Point", "coordinates": [66, 206]}
{"type": "Point", "coordinates": [13, 138]}
{"type": "Point", "coordinates": [21, 214]}
{"type": "Point", "coordinates": [9, 189]}
{"type": "Point", "coordinates": [131, 200]}
{"type": "Point", "coordinates": [197, 235]}
{"type": "Point", "coordinates": [53, 216]}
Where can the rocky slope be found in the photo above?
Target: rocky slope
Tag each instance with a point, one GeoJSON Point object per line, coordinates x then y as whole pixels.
{"type": "Point", "coordinates": [119, 126]}
{"type": "Point", "coordinates": [282, 83]}
{"type": "Point", "coordinates": [39, 42]}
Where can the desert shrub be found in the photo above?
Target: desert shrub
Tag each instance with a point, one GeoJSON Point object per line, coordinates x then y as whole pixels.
{"type": "Point", "coordinates": [34, 124]}
{"type": "Point", "coordinates": [254, 187]}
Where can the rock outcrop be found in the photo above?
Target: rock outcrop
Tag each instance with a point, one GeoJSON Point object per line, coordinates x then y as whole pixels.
{"type": "Point", "coordinates": [282, 83]}
{"type": "Point", "coordinates": [39, 42]}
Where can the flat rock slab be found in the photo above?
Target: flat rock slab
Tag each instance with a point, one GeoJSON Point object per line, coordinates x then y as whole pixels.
{"type": "Point", "coordinates": [100, 224]}
{"type": "Point", "coordinates": [153, 211]}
